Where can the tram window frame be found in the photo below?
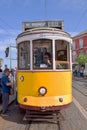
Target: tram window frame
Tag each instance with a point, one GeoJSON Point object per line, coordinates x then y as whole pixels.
{"type": "Point", "coordinates": [42, 48]}
{"type": "Point", "coordinates": [62, 62]}
{"type": "Point", "coordinates": [24, 56]}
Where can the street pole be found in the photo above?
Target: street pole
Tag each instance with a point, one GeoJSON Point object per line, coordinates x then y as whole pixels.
{"type": "Point", "coordinates": [10, 58]}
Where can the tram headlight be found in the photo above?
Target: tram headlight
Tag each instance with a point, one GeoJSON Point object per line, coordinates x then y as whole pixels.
{"type": "Point", "coordinates": [42, 90]}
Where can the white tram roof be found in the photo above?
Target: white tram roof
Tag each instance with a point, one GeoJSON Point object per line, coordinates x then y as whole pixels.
{"type": "Point", "coordinates": [59, 24]}
{"type": "Point", "coordinates": [44, 30]}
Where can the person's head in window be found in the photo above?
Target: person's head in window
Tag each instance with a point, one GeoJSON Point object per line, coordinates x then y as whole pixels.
{"type": "Point", "coordinates": [47, 59]}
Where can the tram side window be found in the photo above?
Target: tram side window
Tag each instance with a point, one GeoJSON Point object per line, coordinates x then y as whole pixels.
{"type": "Point", "coordinates": [62, 54]}
{"type": "Point", "coordinates": [24, 55]}
{"type": "Point", "coordinates": [42, 54]}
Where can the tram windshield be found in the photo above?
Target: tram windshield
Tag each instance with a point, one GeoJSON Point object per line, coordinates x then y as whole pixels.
{"type": "Point", "coordinates": [42, 53]}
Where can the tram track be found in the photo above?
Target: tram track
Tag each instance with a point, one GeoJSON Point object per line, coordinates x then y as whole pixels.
{"type": "Point", "coordinates": [28, 126]}
{"type": "Point", "coordinates": [80, 91]}
{"type": "Point", "coordinates": [58, 125]}
{"type": "Point", "coordinates": [77, 84]}
{"type": "Point", "coordinates": [80, 79]}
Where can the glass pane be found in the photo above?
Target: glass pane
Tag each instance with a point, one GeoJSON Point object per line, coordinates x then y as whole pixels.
{"type": "Point", "coordinates": [62, 54]}
{"type": "Point", "coordinates": [42, 54]}
{"type": "Point", "coordinates": [24, 55]}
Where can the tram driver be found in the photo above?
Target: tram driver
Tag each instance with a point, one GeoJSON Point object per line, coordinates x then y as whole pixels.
{"type": "Point", "coordinates": [47, 59]}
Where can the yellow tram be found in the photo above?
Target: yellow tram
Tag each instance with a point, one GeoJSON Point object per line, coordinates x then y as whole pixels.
{"type": "Point", "coordinates": [44, 75]}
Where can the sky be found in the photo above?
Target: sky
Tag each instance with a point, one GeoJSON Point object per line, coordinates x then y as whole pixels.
{"type": "Point", "coordinates": [14, 12]}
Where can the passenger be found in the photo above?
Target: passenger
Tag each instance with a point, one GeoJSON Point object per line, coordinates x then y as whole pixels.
{"type": "Point", "coordinates": [82, 71]}
{"type": "Point", "coordinates": [6, 85]}
{"type": "Point", "coordinates": [47, 59]}
{"type": "Point", "coordinates": [1, 73]}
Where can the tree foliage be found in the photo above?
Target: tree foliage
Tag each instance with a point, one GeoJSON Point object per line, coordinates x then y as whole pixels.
{"type": "Point", "coordinates": [81, 59]}
{"type": "Point", "coordinates": [1, 59]}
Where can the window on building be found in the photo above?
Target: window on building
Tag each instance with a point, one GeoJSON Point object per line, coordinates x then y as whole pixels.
{"type": "Point", "coordinates": [80, 43]}
{"type": "Point", "coordinates": [74, 55]}
{"type": "Point", "coordinates": [73, 45]}
{"type": "Point", "coordinates": [86, 52]}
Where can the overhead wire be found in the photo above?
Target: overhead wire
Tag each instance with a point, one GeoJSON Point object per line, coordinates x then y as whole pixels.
{"type": "Point", "coordinates": [8, 32]}
{"type": "Point", "coordinates": [80, 19]}
{"type": "Point", "coordinates": [6, 23]}
{"type": "Point", "coordinates": [45, 7]}
{"type": "Point", "coordinates": [4, 27]}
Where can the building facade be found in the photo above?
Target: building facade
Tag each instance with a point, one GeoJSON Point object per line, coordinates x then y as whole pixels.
{"type": "Point", "coordinates": [79, 45]}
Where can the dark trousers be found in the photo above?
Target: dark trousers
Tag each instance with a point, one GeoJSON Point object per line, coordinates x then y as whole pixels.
{"type": "Point", "coordinates": [5, 101]}
{"type": "Point", "coordinates": [16, 102]}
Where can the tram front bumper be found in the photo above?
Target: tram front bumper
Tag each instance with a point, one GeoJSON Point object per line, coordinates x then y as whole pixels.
{"type": "Point", "coordinates": [46, 101]}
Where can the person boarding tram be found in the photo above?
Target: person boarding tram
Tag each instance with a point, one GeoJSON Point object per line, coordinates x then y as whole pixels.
{"type": "Point", "coordinates": [6, 85]}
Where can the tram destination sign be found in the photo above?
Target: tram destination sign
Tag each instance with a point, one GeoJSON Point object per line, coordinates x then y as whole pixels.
{"type": "Point", "coordinates": [56, 24]}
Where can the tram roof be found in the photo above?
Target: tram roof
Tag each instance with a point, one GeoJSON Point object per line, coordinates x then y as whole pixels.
{"type": "Point", "coordinates": [59, 24]}
{"type": "Point", "coordinates": [44, 30]}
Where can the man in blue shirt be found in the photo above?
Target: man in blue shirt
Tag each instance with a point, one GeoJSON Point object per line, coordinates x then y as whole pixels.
{"type": "Point", "coordinates": [6, 85]}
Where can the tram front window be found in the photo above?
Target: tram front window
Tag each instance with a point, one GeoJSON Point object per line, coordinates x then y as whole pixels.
{"type": "Point", "coordinates": [62, 54]}
{"type": "Point", "coordinates": [42, 54]}
{"type": "Point", "coordinates": [24, 55]}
